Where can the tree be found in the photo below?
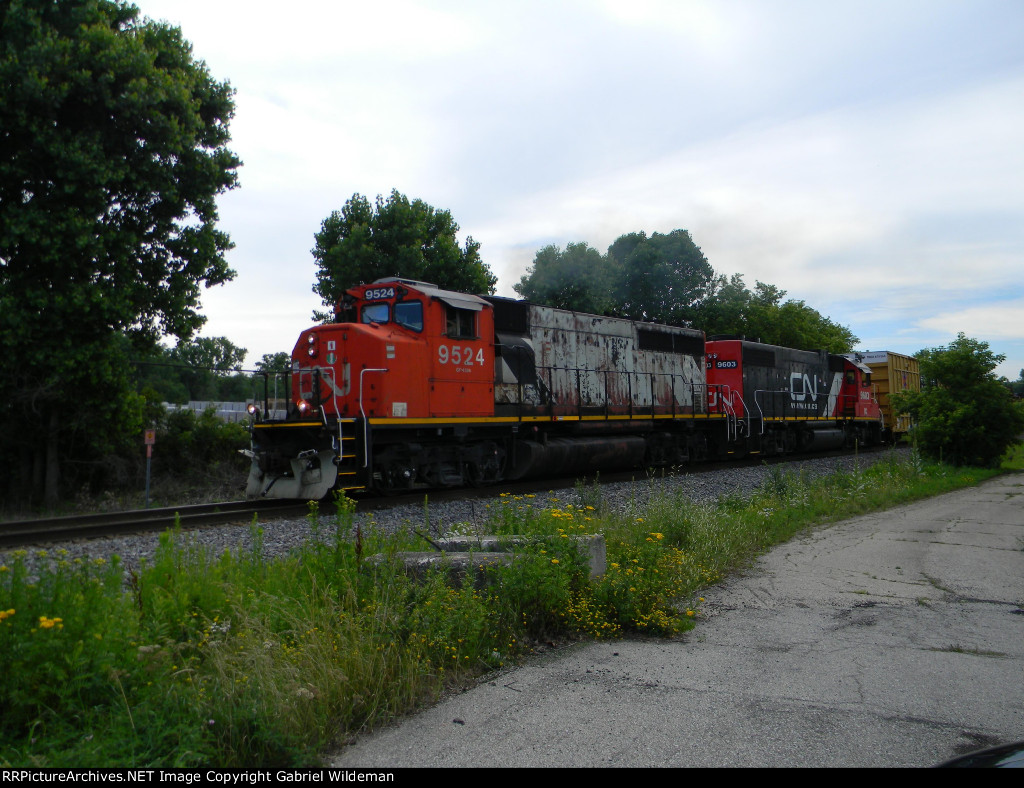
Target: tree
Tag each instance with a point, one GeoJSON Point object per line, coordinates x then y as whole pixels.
{"type": "Point", "coordinates": [204, 366]}
{"type": "Point", "coordinates": [578, 278]}
{"type": "Point", "coordinates": [362, 243]}
{"type": "Point", "coordinates": [663, 278]}
{"type": "Point", "coordinates": [215, 354]}
{"type": "Point", "coordinates": [274, 363]}
{"type": "Point", "coordinates": [112, 152]}
{"type": "Point", "coordinates": [1016, 386]}
{"type": "Point", "coordinates": [762, 315]}
{"type": "Point", "coordinates": [963, 413]}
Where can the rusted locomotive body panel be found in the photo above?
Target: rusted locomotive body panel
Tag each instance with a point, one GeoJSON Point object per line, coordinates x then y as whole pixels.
{"type": "Point", "coordinates": [567, 364]}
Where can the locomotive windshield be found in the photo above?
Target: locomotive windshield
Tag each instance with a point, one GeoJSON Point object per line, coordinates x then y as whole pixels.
{"type": "Point", "coordinates": [375, 313]}
{"type": "Point", "coordinates": [409, 314]}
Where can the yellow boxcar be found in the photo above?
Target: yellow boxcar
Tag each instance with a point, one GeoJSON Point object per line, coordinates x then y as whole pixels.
{"type": "Point", "coordinates": [892, 372]}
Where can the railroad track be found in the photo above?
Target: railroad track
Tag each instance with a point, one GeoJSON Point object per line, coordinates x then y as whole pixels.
{"type": "Point", "coordinates": [42, 531]}
{"type": "Point", "coordinates": [56, 529]}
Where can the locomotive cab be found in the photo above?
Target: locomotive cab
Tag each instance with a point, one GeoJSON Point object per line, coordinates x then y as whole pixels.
{"type": "Point", "coordinates": [406, 350]}
{"type": "Point", "coordinates": [401, 351]}
{"type": "Point", "coordinates": [856, 395]}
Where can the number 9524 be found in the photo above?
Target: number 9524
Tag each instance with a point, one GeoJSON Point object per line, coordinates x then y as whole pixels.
{"type": "Point", "coordinates": [460, 356]}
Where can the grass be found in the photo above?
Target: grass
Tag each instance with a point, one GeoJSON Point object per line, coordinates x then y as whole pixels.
{"type": "Point", "coordinates": [240, 660]}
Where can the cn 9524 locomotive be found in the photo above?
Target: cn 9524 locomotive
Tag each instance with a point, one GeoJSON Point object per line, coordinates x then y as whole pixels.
{"type": "Point", "coordinates": [415, 386]}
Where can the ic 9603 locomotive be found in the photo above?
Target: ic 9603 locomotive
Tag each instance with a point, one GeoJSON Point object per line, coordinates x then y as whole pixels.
{"type": "Point", "coordinates": [416, 386]}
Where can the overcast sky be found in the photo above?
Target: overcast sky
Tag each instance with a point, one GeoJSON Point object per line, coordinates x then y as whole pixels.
{"type": "Point", "coordinates": [867, 157]}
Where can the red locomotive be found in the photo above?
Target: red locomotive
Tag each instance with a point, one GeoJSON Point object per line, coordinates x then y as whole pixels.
{"type": "Point", "coordinates": [786, 400]}
{"type": "Point", "coordinates": [415, 386]}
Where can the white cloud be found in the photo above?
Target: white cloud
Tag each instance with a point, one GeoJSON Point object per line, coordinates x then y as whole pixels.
{"type": "Point", "coordinates": [994, 321]}
{"type": "Point", "coordinates": [865, 157]}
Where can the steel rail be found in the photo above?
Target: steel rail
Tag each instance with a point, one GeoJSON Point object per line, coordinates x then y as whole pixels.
{"type": "Point", "coordinates": [54, 529]}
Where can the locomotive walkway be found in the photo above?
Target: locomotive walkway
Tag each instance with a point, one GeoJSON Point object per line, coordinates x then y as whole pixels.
{"type": "Point", "coordinates": [891, 639]}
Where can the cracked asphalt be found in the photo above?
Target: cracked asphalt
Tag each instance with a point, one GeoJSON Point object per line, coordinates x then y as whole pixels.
{"type": "Point", "coordinates": [891, 639]}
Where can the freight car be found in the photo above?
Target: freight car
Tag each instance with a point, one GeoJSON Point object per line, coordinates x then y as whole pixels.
{"type": "Point", "coordinates": [416, 386]}
{"type": "Point", "coordinates": [891, 373]}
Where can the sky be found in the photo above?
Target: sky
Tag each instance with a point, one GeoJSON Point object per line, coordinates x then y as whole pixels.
{"type": "Point", "coordinates": [866, 157]}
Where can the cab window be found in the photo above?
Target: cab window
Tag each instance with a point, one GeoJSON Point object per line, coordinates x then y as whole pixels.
{"type": "Point", "coordinates": [375, 313]}
{"type": "Point", "coordinates": [409, 314]}
{"type": "Point", "coordinates": [460, 323]}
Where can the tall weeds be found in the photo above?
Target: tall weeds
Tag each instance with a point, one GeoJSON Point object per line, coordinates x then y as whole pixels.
{"type": "Point", "coordinates": [239, 659]}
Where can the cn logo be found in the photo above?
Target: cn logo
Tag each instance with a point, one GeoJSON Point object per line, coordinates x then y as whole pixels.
{"type": "Point", "coordinates": [801, 386]}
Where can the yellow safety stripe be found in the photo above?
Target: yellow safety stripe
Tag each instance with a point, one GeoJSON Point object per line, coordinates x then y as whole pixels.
{"type": "Point", "coordinates": [441, 420]}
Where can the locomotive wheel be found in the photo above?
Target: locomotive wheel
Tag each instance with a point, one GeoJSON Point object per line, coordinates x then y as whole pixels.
{"type": "Point", "coordinates": [486, 466]}
{"type": "Point", "coordinates": [397, 476]}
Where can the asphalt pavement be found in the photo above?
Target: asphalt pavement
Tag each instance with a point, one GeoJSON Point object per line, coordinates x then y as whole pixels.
{"type": "Point", "coordinates": [891, 639]}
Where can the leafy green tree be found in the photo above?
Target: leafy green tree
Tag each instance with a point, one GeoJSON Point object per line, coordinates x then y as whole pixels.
{"type": "Point", "coordinates": [274, 363]}
{"type": "Point", "coordinates": [397, 237]}
{"type": "Point", "coordinates": [159, 377]}
{"type": "Point", "coordinates": [204, 364]}
{"type": "Point", "coordinates": [578, 278]}
{"type": "Point", "coordinates": [666, 278]}
{"type": "Point", "coordinates": [112, 152]}
{"type": "Point", "coordinates": [1016, 386]}
{"type": "Point", "coordinates": [762, 315]}
{"type": "Point", "coordinates": [216, 354]}
{"type": "Point", "coordinates": [725, 306]}
{"type": "Point", "coordinates": [661, 278]}
{"type": "Point", "coordinates": [963, 414]}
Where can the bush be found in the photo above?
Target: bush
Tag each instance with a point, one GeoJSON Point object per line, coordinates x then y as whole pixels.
{"type": "Point", "coordinates": [963, 414]}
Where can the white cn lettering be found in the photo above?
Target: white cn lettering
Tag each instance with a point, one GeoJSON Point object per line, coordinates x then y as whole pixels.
{"type": "Point", "coordinates": [800, 386]}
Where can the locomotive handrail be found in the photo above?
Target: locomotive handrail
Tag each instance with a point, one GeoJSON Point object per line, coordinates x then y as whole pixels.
{"type": "Point", "coordinates": [697, 405]}
{"type": "Point", "coordinates": [268, 412]}
{"type": "Point", "coordinates": [317, 375]}
{"type": "Point", "coordinates": [776, 412]}
{"type": "Point", "coordinates": [727, 396]}
{"type": "Point", "coordinates": [832, 410]}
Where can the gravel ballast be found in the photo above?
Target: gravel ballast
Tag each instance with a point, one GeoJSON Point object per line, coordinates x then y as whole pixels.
{"type": "Point", "coordinates": [280, 536]}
